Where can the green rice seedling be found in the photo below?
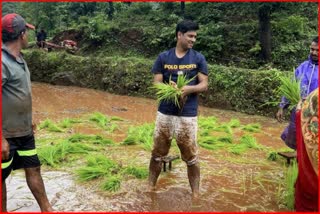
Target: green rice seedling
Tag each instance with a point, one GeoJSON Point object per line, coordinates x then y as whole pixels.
{"type": "Point", "coordinates": [48, 155]}
{"type": "Point", "coordinates": [272, 156]}
{"type": "Point", "coordinates": [50, 126]}
{"type": "Point", "coordinates": [290, 179]}
{"type": "Point", "coordinates": [79, 148]}
{"type": "Point", "coordinates": [115, 118]}
{"type": "Point", "coordinates": [140, 135]}
{"type": "Point", "coordinates": [67, 123]}
{"type": "Point", "coordinates": [234, 123]}
{"type": "Point", "coordinates": [252, 127]}
{"type": "Point", "coordinates": [138, 172]}
{"type": "Point", "coordinates": [207, 123]}
{"type": "Point", "coordinates": [111, 184]}
{"type": "Point", "coordinates": [223, 128]}
{"type": "Point", "coordinates": [290, 88]}
{"type": "Point", "coordinates": [249, 141]}
{"type": "Point", "coordinates": [99, 119]}
{"type": "Point", "coordinates": [168, 93]}
{"type": "Point", "coordinates": [246, 142]}
{"type": "Point", "coordinates": [97, 166]}
{"type": "Point", "coordinates": [92, 139]}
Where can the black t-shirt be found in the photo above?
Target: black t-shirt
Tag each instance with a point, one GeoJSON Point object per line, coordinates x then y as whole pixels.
{"type": "Point", "coordinates": [168, 64]}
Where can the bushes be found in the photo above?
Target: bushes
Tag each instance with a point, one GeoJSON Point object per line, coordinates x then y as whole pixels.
{"type": "Point", "coordinates": [233, 88]}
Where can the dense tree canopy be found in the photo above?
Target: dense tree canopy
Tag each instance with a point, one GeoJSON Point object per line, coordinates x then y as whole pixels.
{"type": "Point", "coordinates": [249, 35]}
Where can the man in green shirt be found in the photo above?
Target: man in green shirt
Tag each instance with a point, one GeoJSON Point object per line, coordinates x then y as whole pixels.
{"type": "Point", "coordinates": [18, 144]}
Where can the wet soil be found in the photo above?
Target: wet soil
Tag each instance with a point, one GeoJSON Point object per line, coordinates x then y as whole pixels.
{"type": "Point", "coordinates": [228, 182]}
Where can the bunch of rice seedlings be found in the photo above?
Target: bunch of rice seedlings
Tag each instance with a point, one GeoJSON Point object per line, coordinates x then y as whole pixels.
{"type": "Point", "coordinates": [111, 184]}
{"type": "Point", "coordinates": [140, 135]}
{"type": "Point", "coordinates": [207, 122]}
{"type": "Point", "coordinates": [168, 93]}
{"type": "Point", "coordinates": [50, 126]}
{"type": "Point", "coordinates": [252, 127]}
{"type": "Point", "coordinates": [67, 123]}
{"type": "Point", "coordinates": [290, 88]}
{"type": "Point", "coordinates": [214, 139]}
{"type": "Point", "coordinates": [97, 166]}
{"type": "Point", "coordinates": [290, 179]}
{"type": "Point", "coordinates": [234, 123]}
{"type": "Point", "coordinates": [48, 155]}
{"type": "Point", "coordinates": [246, 142]}
{"type": "Point", "coordinates": [54, 154]}
{"type": "Point", "coordinates": [223, 128]}
{"type": "Point", "coordinates": [92, 139]}
{"type": "Point", "coordinates": [272, 156]}
{"type": "Point", "coordinates": [103, 121]}
{"type": "Point", "coordinates": [138, 172]}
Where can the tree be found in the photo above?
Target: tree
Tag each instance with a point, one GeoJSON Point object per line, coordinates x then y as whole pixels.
{"type": "Point", "coordinates": [264, 13]}
{"type": "Point", "coordinates": [111, 10]}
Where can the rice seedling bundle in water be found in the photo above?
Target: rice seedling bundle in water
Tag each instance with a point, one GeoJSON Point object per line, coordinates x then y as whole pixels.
{"type": "Point", "coordinates": [167, 92]}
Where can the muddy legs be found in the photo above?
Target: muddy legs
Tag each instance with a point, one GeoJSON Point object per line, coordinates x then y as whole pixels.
{"type": "Point", "coordinates": [4, 196]}
{"type": "Point", "coordinates": [35, 183]}
{"type": "Point", "coordinates": [154, 172]}
{"type": "Point", "coordinates": [194, 179]}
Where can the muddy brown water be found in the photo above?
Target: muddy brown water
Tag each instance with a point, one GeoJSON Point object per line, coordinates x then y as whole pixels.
{"type": "Point", "coordinates": [244, 184]}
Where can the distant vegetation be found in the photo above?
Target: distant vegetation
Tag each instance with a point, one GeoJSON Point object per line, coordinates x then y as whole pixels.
{"type": "Point", "coordinates": [248, 35]}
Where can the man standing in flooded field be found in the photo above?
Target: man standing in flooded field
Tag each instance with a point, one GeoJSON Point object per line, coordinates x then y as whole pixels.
{"type": "Point", "coordinates": [307, 74]}
{"type": "Point", "coordinates": [18, 144]}
{"type": "Point", "coordinates": [172, 121]}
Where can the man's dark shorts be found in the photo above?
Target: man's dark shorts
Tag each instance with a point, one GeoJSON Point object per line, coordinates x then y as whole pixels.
{"type": "Point", "coordinates": [23, 154]}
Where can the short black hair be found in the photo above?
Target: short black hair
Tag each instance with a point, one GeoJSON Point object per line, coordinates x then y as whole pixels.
{"type": "Point", "coordinates": [186, 25]}
{"type": "Point", "coordinates": [9, 37]}
{"type": "Point", "coordinates": [315, 39]}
